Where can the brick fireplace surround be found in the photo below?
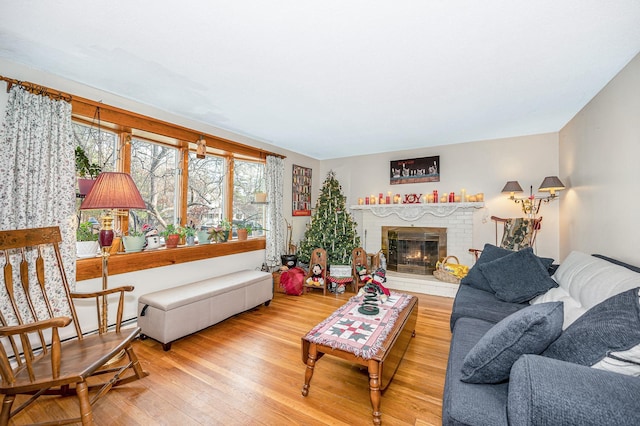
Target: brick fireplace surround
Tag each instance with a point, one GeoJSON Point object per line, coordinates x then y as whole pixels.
{"type": "Point", "coordinates": [457, 218]}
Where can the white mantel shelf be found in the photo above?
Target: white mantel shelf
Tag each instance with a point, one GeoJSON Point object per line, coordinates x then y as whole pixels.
{"type": "Point", "coordinates": [411, 212]}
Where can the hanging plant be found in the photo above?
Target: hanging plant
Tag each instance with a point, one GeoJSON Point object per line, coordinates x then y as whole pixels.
{"type": "Point", "coordinates": [85, 168]}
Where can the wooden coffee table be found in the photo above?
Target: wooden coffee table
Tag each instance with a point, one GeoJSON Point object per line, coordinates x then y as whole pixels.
{"type": "Point", "coordinates": [382, 363]}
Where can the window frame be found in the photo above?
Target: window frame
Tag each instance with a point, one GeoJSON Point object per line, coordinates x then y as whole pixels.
{"type": "Point", "coordinates": [129, 125]}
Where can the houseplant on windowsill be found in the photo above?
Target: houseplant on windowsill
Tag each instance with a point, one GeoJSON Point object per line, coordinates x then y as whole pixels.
{"type": "Point", "coordinates": [218, 235]}
{"type": "Point", "coordinates": [134, 242]}
{"type": "Point", "coordinates": [171, 235]}
{"type": "Point", "coordinates": [86, 240]}
{"type": "Point", "coordinates": [244, 229]}
{"type": "Point", "coordinates": [86, 170]}
{"type": "Point", "coordinates": [190, 235]}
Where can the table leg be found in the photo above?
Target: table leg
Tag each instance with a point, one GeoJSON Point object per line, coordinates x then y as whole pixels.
{"type": "Point", "coordinates": [311, 363]}
{"type": "Point", "coordinates": [374, 390]}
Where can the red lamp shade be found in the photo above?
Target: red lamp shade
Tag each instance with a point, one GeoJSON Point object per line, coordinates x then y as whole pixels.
{"type": "Point", "coordinates": [113, 190]}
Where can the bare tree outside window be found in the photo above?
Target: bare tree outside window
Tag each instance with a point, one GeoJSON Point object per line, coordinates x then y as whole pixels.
{"type": "Point", "coordinates": [205, 195]}
{"type": "Point", "coordinates": [154, 170]}
{"type": "Point", "coordinates": [247, 180]}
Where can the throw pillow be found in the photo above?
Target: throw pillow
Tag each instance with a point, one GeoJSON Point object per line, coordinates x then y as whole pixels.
{"type": "Point", "coordinates": [611, 326]}
{"type": "Point", "coordinates": [517, 277]}
{"type": "Point", "coordinates": [528, 331]}
{"type": "Point", "coordinates": [489, 253]}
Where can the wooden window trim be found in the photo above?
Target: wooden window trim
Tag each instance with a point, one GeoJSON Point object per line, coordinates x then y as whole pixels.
{"type": "Point", "coordinates": [131, 262]}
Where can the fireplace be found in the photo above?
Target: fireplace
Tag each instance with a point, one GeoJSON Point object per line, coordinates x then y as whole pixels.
{"type": "Point", "coordinates": [413, 249]}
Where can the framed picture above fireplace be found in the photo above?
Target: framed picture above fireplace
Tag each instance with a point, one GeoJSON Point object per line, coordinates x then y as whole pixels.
{"type": "Point", "coordinates": [415, 170]}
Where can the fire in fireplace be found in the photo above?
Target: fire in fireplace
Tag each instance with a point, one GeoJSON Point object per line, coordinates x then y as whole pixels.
{"type": "Point", "coordinates": [412, 249]}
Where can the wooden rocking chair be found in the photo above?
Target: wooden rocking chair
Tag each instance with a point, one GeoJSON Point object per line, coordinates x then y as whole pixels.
{"type": "Point", "coordinates": [319, 257]}
{"type": "Point", "coordinates": [359, 259]}
{"type": "Point", "coordinates": [33, 361]}
{"type": "Point", "coordinates": [518, 233]}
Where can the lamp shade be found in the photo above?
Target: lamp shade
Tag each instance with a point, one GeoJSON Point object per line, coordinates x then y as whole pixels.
{"type": "Point", "coordinates": [113, 190]}
{"type": "Point", "coordinates": [551, 184]}
{"type": "Point", "coordinates": [512, 186]}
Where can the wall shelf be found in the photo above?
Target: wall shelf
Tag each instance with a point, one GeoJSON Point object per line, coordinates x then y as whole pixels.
{"type": "Point", "coordinates": [411, 212]}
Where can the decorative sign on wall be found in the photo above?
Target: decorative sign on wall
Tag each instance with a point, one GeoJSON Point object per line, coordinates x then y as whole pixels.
{"type": "Point", "coordinates": [415, 170]}
{"type": "Point", "coordinates": [301, 195]}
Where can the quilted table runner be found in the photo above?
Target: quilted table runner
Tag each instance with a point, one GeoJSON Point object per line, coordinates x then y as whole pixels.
{"type": "Point", "coordinates": [351, 331]}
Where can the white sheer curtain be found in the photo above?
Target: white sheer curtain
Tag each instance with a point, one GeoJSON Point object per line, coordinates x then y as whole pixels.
{"type": "Point", "coordinates": [275, 218]}
{"type": "Point", "coordinates": [37, 172]}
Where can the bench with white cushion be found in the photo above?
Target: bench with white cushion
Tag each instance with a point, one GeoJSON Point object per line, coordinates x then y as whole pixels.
{"type": "Point", "coordinates": [170, 314]}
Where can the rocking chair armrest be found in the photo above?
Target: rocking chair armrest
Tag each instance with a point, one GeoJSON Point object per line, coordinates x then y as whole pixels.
{"type": "Point", "coordinates": [127, 288]}
{"type": "Point", "coordinates": [57, 322]}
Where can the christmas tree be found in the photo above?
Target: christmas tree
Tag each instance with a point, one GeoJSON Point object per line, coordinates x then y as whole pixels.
{"type": "Point", "coordinates": [332, 227]}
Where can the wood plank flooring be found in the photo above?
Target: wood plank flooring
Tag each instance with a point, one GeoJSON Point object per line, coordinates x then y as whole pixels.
{"type": "Point", "coordinates": [248, 370]}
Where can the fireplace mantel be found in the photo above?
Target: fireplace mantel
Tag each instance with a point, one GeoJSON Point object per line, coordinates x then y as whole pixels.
{"type": "Point", "coordinates": [413, 212]}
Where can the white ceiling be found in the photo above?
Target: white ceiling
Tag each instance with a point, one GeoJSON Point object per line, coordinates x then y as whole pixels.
{"type": "Point", "coordinates": [336, 78]}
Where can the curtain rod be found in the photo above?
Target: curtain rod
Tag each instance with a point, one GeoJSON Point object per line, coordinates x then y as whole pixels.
{"type": "Point", "coordinates": [36, 89]}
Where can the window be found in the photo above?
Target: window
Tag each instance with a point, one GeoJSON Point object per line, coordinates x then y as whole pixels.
{"type": "Point", "coordinates": [154, 169]}
{"type": "Point", "coordinates": [101, 147]}
{"type": "Point", "coordinates": [248, 178]}
{"type": "Point", "coordinates": [206, 191]}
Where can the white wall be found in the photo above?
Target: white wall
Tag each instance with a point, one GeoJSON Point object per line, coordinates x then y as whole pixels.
{"type": "Point", "coordinates": [483, 166]}
{"type": "Point", "coordinates": [599, 152]}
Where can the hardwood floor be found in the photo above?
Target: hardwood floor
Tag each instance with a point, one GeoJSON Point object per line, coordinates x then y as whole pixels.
{"type": "Point", "coordinates": [248, 370]}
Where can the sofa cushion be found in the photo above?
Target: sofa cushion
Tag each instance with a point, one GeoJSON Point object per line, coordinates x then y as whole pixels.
{"type": "Point", "coordinates": [476, 279]}
{"type": "Point", "coordinates": [517, 277]}
{"type": "Point", "coordinates": [466, 403]}
{"type": "Point", "coordinates": [474, 303]}
{"type": "Point", "coordinates": [528, 331]}
{"type": "Point", "coordinates": [613, 325]}
{"type": "Point", "coordinates": [545, 391]}
{"type": "Point", "coordinates": [584, 281]}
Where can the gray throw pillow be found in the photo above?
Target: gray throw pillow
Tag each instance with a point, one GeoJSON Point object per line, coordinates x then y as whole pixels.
{"type": "Point", "coordinates": [528, 331]}
{"type": "Point", "coordinates": [489, 253]}
{"type": "Point", "coordinates": [517, 277]}
{"type": "Point", "coordinates": [610, 326]}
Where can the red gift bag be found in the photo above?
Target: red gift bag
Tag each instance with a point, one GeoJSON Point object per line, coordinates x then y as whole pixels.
{"type": "Point", "coordinates": [292, 280]}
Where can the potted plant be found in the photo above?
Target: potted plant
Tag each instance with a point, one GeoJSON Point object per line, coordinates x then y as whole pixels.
{"type": "Point", "coordinates": [190, 235]}
{"type": "Point", "coordinates": [86, 170]}
{"type": "Point", "coordinates": [203, 236]}
{"type": "Point", "coordinates": [171, 235]}
{"type": "Point", "coordinates": [218, 235]}
{"type": "Point", "coordinates": [134, 242]}
{"type": "Point", "coordinates": [244, 228]}
{"type": "Point", "coordinates": [226, 226]}
{"type": "Point", "coordinates": [86, 240]}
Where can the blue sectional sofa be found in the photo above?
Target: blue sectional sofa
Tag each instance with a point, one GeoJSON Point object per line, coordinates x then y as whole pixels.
{"type": "Point", "coordinates": [565, 380]}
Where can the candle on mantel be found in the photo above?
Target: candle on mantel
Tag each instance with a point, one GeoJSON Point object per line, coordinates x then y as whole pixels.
{"type": "Point", "coordinates": [463, 195]}
{"type": "Point", "coordinates": [396, 199]}
{"type": "Point", "coordinates": [360, 201]}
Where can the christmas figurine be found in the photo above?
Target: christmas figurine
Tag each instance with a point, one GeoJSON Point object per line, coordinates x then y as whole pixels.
{"type": "Point", "coordinates": [316, 276]}
{"type": "Point", "coordinates": [363, 275]}
{"type": "Point", "coordinates": [379, 277]}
